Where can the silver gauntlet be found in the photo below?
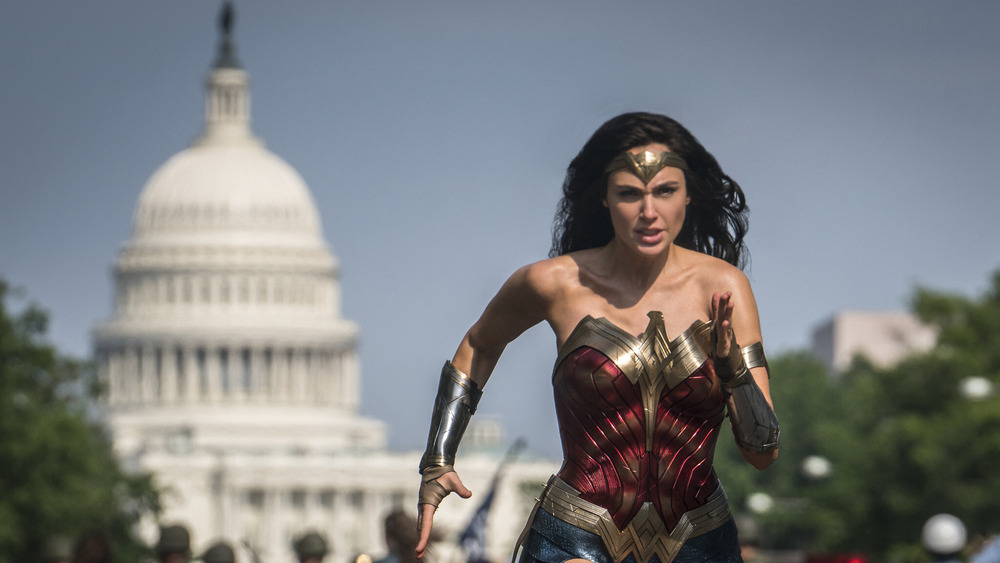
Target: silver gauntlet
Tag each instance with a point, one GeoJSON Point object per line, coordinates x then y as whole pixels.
{"type": "Point", "coordinates": [457, 398]}
{"type": "Point", "coordinates": [755, 425]}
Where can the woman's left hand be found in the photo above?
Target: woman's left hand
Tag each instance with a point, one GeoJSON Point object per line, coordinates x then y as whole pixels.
{"type": "Point", "coordinates": [722, 317]}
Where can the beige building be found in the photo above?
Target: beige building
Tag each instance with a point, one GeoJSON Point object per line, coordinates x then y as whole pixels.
{"type": "Point", "coordinates": [884, 337]}
{"type": "Point", "coordinates": [232, 375]}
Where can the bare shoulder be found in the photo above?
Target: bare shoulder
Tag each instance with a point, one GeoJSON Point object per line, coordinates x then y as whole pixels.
{"type": "Point", "coordinates": [550, 277]}
{"type": "Point", "coordinates": [524, 300]}
{"type": "Point", "coordinates": [717, 275]}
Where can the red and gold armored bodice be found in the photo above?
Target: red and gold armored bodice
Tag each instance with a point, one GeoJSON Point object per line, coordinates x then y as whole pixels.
{"type": "Point", "coordinates": [638, 418]}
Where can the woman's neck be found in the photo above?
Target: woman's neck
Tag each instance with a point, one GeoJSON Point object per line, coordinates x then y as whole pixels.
{"type": "Point", "coordinates": [635, 271]}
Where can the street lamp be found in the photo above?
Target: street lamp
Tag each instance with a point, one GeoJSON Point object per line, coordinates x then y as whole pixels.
{"type": "Point", "coordinates": [760, 503]}
{"type": "Point", "coordinates": [975, 388]}
{"type": "Point", "coordinates": [816, 467]}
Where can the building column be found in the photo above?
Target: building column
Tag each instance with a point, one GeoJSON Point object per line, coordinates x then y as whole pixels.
{"type": "Point", "coordinates": [342, 376]}
{"type": "Point", "coordinates": [192, 381]}
{"type": "Point", "coordinates": [274, 523]}
{"type": "Point", "coordinates": [115, 384]}
{"type": "Point", "coordinates": [279, 374]}
{"type": "Point", "coordinates": [150, 376]}
{"type": "Point", "coordinates": [258, 389]}
{"type": "Point", "coordinates": [232, 516]}
{"type": "Point", "coordinates": [370, 513]}
{"type": "Point", "coordinates": [168, 375]}
{"type": "Point", "coordinates": [217, 489]}
{"type": "Point", "coordinates": [213, 370]}
{"type": "Point", "coordinates": [375, 510]}
{"type": "Point", "coordinates": [130, 374]}
{"type": "Point", "coordinates": [314, 387]}
{"type": "Point", "coordinates": [323, 379]}
{"type": "Point", "coordinates": [347, 532]}
{"type": "Point", "coordinates": [352, 385]}
{"type": "Point", "coordinates": [329, 375]}
{"type": "Point", "coordinates": [161, 291]}
{"type": "Point", "coordinates": [237, 386]}
{"type": "Point", "coordinates": [298, 376]}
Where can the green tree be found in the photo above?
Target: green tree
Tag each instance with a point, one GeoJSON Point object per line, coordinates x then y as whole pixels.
{"type": "Point", "coordinates": [904, 442]}
{"type": "Point", "coordinates": [807, 401]}
{"type": "Point", "coordinates": [57, 471]}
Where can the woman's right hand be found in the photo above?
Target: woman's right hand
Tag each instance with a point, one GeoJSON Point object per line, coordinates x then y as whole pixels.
{"type": "Point", "coordinates": [434, 486]}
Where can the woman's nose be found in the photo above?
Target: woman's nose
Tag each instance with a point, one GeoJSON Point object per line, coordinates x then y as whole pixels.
{"type": "Point", "coordinates": [648, 209]}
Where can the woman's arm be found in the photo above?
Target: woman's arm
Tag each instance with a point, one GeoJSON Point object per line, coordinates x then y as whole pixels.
{"type": "Point", "coordinates": [522, 302]}
{"type": "Point", "coordinates": [751, 410]}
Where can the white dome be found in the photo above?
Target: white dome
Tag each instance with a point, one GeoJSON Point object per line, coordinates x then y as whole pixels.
{"type": "Point", "coordinates": [226, 235]}
{"type": "Point", "coordinates": [230, 192]}
{"type": "Point", "coordinates": [227, 189]}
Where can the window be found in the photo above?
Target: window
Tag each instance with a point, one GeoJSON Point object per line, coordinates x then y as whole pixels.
{"type": "Point", "coordinates": [224, 372]}
{"type": "Point", "coordinates": [326, 499]}
{"type": "Point", "coordinates": [356, 499]}
{"type": "Point", "coordinates": [245, 369]}
{"type": "Point", "coordinates": [202, 370]}
{"type": "Point", "coordinates": [254, 498]}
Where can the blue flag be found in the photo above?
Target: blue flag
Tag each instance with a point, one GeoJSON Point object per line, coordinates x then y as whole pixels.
{"type": "Point", "coordinates": [473, 539]}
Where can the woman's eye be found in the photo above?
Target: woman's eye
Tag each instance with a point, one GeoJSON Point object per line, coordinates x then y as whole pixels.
{"type": "Point", "coordinates": [665, 191]}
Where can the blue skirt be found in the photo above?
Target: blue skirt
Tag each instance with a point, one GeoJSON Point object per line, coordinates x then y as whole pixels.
{"type": "Point", "coordinates": [550, 540]}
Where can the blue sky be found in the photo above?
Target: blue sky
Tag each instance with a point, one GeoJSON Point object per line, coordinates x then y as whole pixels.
{"type": "Point", "coordinates": [434, 137]}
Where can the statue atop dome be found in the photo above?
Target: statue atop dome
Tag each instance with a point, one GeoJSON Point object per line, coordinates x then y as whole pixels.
{"type": "Point", "coordinates": [226, 18]}
{"type": "Point", "coordinates": [227, 53]}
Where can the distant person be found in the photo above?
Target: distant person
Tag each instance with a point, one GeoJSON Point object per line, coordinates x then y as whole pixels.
{"type": "Point", "coordinates": [944, 537]}
{"type": "Point", "coordinates": [92, 547]}
{"type": "Point", "coordinates": [57, 549]}
{"type": "Point", "coordinates": [750, 539]}
{"type": "Point", "coordinates": [310, 548]}
{"type": "Point", "coordinates": [400, 538]}
{"type": "Point", "coordinates": [989, 553]}
{"type": "Point", "coordinates": [657, 338]}
{"type": "Point", "coordinates": [219, 552]}
{"type": "Point", "coordinates": [174, 545]}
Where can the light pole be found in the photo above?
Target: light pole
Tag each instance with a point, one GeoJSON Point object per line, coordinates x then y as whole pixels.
{"type": "Point", "coordinates": [975, 388]}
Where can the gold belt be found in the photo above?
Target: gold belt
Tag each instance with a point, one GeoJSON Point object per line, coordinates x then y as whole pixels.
{"type": "Point", "coordinates": [646, 534]}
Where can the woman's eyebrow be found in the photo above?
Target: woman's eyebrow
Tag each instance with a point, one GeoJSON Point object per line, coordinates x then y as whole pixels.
{"type": "Point", "coordinates": [667, 184]}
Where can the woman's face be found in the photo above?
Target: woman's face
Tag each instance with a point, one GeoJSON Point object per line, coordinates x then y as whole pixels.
{"type": "Point", "coordinates": [647, 217]}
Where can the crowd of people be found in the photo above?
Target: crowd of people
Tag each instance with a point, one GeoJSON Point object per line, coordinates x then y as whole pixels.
{"type": "Point", "coordinates": [174, 546]}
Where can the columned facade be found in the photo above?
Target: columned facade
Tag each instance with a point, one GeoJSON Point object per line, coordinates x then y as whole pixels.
{"type": "Point", "coordinates": [178, 372]}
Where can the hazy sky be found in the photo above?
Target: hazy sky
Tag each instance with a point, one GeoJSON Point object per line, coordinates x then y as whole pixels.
{"type": "Point", "coordinates": [434, 136]}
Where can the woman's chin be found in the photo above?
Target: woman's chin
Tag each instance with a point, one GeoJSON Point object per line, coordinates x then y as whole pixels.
{"type": "Point", "coordinates": [651, 250]}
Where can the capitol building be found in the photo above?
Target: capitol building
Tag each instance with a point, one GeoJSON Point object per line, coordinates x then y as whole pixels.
{"type": "Point", "coordinates": [232, 376]}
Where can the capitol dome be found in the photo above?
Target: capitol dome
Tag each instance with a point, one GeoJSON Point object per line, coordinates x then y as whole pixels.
{"type": "Point", "coordinates": [226, 294]}
{"type": "Point", "coordinates": [227, 188]}
{"type": "Point", "coordinates": [227, 233]}
{"type": "Point", "coordinates": [238, 191]}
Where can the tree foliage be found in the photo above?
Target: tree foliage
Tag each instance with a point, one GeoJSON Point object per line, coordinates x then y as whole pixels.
{"type": "Point", "coordinates": [58, 475]}
{"type": "Point", "coordinates": [904, 442]}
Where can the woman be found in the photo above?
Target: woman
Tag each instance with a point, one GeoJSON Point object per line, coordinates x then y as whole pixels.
{"type": "Point", "coordinates": [649, 309]}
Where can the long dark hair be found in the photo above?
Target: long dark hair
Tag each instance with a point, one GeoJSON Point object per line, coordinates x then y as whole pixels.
{"type": "Point", "coordinates": [716, 219]}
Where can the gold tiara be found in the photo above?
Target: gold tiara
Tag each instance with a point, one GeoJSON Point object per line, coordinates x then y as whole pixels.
{"type": "Point", "coordinates": [646, 164]}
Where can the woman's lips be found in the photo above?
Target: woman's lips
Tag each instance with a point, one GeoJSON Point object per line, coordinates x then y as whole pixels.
{"type": "Point", "coordinates": [650, 236]}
